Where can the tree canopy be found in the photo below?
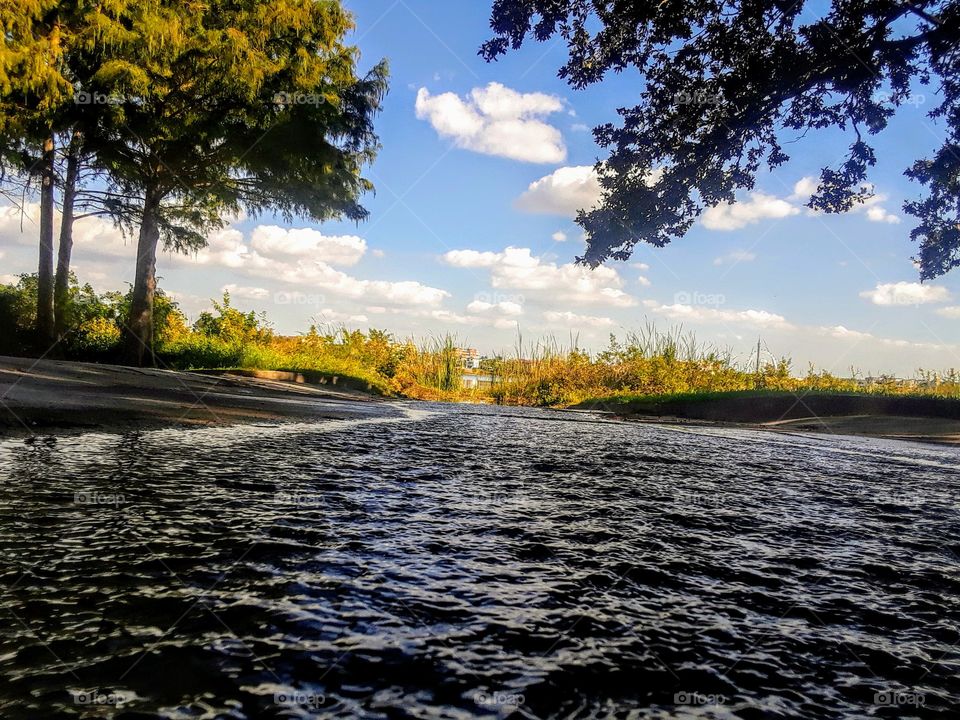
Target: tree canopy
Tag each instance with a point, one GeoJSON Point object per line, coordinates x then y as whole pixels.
{"type": "Point", "coordinates": [724, 81]}
{"type": "Point", "coordinates": [184, 112]}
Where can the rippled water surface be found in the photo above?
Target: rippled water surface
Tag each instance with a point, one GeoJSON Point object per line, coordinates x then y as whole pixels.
{"type": "Point", "coordinates": [470, 561]}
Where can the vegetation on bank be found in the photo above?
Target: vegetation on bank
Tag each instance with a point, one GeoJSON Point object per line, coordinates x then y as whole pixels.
{"type": "Point", "coordinates": [649, 366]}
{"type": "Point", "coordinates": [761, 406]}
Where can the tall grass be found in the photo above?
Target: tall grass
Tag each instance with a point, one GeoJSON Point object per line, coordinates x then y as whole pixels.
{"type": "Point", "coordinates": [648, 362]}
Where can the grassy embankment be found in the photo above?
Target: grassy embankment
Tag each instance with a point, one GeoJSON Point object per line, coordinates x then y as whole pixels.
{"type": "Point", "coordinates": [651, 371]}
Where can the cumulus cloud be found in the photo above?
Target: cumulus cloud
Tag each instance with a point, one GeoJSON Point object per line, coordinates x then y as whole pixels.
{"type": "Point", "coordinates": [518, 269]}
{"type": "Point", "coordinates": [271, 240]}
{"type": "Point", "coordinates": [562, 192]}
{"type": "Point", "coordinates": [472, 258]}
{"type": "Point", "coordinates": [449, 317]}
{"type": "Point", "coordinates": [951, 311]}
{"type": "Point", "coordinates": [329, 315]}
{"type": "Point", "coordinates": [559, 236]}
{"type": "Point", "coordinates": [698, 313]}
{"type": "Point", "coordinates": [496, 120]}
{"type": "Point", "coordinates": [243, 291]}
{"type": "Point", "coordinates": [871, 207]}
{"type": "Point", "coordinates": [843, 333]}
{"type": "Point", "coordinates": [876, 213]}
{"type": "Point", "coordinates": [571, 319]}
{"type": "Point", "coordinates": [906, 293]}
{"type": "Point", "coordinates": [759, 206]}
{"type": "Point", "coordinates": [92, 236]}
{"type": "Point", "coordinates": [804, 188]}
{"type": "Point", "coordinates": [504, 307]}
{"type": "Point", "coordinates": [303, 260]}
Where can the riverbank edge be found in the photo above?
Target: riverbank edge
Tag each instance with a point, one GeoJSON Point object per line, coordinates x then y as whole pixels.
{"type": "Point", "coordinates": [893, 417]}
{"type": "Point", "coordinates": [65, 397]}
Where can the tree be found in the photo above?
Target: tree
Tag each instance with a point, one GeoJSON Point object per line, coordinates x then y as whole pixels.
{"type": "Point", "coordinates": [721, 80]}
{"type": "Point", "coordinates": [230, 106]}
{"type": "Point", "coordinates": [33, 92]}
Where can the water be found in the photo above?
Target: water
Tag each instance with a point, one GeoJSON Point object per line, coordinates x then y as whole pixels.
{"type": "Point", "coordinates": [468, 561]}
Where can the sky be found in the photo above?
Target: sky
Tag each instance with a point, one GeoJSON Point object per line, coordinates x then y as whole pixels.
{"type": "Point", "coordinates": [471, 229]}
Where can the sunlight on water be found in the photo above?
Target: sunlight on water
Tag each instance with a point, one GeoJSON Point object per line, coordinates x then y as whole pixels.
{"type": "Point", "coordinates": [462, 561]}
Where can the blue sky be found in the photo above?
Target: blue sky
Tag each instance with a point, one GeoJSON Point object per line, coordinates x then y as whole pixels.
{"type": "Point", "coordinates": [459, 241]}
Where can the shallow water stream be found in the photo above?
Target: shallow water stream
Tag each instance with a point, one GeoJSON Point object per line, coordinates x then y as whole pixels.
{"type": "Point", "coordinates": [468, 561]}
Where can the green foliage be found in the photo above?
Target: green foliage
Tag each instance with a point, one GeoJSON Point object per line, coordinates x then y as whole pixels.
{"type": "Point", "coordinates": [18, 312]}
{"type": "Point", "coordinates": [231, 326]}
{"type": "Point", "coordinates": [640, 366]}
{"type": "Point", "coordinates": [725, 85]}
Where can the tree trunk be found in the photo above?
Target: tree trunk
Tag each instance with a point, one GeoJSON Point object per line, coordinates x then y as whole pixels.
{"type": "Point", "coordinates": [139, 335]}
{"type": "Point", "coordinates": [61, 293]}
{"type": "Point", "coordinates": [45, 330]}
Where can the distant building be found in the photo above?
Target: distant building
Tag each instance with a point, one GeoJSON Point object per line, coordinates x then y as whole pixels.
{"type": "Point", "coordinates": [469, 358]}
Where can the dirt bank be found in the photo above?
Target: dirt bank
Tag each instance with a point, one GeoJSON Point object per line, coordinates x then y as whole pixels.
{"type": "Point", "coordinates": [925, 419]}
{"type": "Point", "coordinates": [37, 395]}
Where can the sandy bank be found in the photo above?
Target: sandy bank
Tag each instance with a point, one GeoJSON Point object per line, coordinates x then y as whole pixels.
{"type": "Point", "coordinates": [37, 395]}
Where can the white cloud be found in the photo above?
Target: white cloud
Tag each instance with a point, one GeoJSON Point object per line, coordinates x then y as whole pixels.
{"type": "Point", "coordinates": [951, 311]}
{"type": "Point", "coordinates": [876, 213]}
{"type": "Point", "coordinates": [760, 206]}
{"type": "Point", "coordinates": [573, 319]}
{"type": "Point", "coordinates": [92, 236]}
{"type": "Point", "coordinates": [248, 293]}
{"type": "Point", "coordinates": [580, 127]}
{"type": "Point", "coordinates": [290, 260]}
{"type": "Point", "coordinates": [328, 315]}
{"type": "Point", "coordinates": [504, 307]}
{"type": "Point", "coordinates": [449, 317]}
{"type": "Point", "coordinates": [516, 268]}
{"type": "Point", "coordinates": [697, 313]}
{"type": "Point", "coordinates": [496, 120]}
{"type": "Point", "coordinates": [806, 186]}
{"type": "Point", "coordinates": [9, 279]}
{"type": "Point", "coordinates": [839, 331]}
{"type": "Point", "coordinates": [562, 192]}
{"type": "Point", "coordinates": [737, 256]}
{"type": "Point", "coordinates": [559, 236]}
{"type": "Point", "coordinates": [842, 333]}
{"type": "Point", "coordinates": [906, 293]}
{"type": "Point", "coordinates": [643, 281]}
{"type": "Point", "coordinates": [472, 258]}
{"type": "Point", "coordinates": [273, 241]}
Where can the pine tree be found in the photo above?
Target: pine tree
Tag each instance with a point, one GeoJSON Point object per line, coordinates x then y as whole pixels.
{"type": "Point", "coordinates": [230, 106]}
